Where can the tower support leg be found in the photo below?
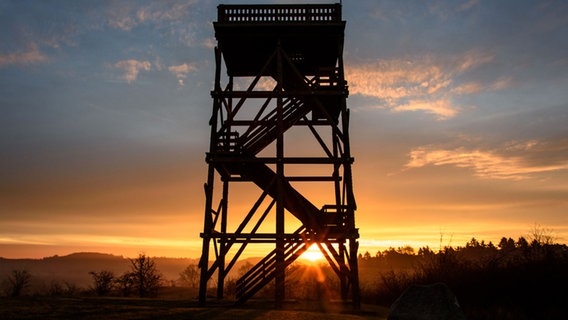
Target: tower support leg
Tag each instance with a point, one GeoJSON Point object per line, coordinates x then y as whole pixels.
{"type": "Point", "coordinates": [355, 290]}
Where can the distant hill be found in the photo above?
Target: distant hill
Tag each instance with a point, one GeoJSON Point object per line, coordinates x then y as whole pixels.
{"type": "Point", "coordinates": [74, 268]}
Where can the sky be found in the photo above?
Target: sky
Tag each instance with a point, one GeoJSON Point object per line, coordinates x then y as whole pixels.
{"type": "Point", "coordinates": [458, 123]}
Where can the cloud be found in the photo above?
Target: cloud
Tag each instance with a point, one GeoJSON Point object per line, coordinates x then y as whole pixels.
{"type": "Point", "coordinates": [468, 88]}
{"type": "Point", "coordinates": [121, 16]}
{"type": "Point", "coordinates": [177, 17]}
{"type": "Point", "coordinates": [30, 56]}
{"type": "Point", "coordinates": [489, 164]}
{"type": "Point", "coordinates": [157, 12]}
{"type": "Point", "coordinates": [501, 84]}
{"type": "Point", "coordinates": [468, 5]}
{"type": "Point", "coordinates": [425, 83]}
{"type": "Point", "coordinates": [209, 43]}
{"type": "Point", "coordinates": [394, 79]}
{"type": "Point", "coordinates": [475, 87]}
{"type": "Point", "coordinates": [263, 84]}
{"type": "Point", "coordinates": [132, 68]}
{"type": "Point", "coordinates": [181, 71]}
{"type": "Point", "coordinates": [470, 60]}
{"type": "Point", "coordinates": [442, 108]}
{"type": "Point", "coordinates": [122, 22]}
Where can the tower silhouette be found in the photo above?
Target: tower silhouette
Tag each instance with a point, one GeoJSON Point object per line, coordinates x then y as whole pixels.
{"type": "Point", "coordinates": [279, 140]}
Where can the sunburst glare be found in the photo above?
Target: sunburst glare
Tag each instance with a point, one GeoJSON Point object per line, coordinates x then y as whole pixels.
{"type": "Point", "coordinates": [312, 255]}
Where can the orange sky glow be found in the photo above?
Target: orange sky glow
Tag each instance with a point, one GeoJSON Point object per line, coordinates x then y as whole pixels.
{"type": "Point", "coordinates": [457, 124]}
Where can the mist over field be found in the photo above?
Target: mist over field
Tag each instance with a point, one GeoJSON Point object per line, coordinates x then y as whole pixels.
{"type": "Point", "coordinates": [504, 280]}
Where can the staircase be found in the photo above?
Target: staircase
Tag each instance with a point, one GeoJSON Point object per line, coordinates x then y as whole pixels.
{"type": "Point", "coordinates": [261, 133]}
{"type": "Point", "coordinates": [258, 136]}
{"type": "Point", "coordinates": [265, 271]}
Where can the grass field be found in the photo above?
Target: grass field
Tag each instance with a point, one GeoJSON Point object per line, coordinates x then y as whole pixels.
{"type": "Point", "coordinates": [132, 308]}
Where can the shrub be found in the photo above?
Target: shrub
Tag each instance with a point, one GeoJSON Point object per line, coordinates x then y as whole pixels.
{"type": "Point", "coordinates": [144, 277]}
{"type": "Point", "coordinates": [103, 282]}
{"type": "Point", "coordinates": [17, 282]}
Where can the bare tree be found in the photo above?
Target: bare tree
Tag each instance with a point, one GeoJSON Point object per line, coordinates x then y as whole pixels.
{"type": "Point", "coordinates": [18, 281]}
{"type": "Point", "coordinates": [146, 278]}
{"type": "Point", "coordinates": [190, 276]}
{"type": "Point", "coordinates": [103, 282]}
{"type": "Point", "coordinates": [541, 235]}
{"type": "Point", "coordinates": [125, 283]}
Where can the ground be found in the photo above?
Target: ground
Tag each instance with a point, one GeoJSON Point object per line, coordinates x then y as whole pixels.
{"type": "Point", "coordinates": [131, 308]}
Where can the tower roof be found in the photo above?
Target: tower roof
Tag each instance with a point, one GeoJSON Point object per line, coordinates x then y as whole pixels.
{"type": "Point", "coordinates": [311, 34]}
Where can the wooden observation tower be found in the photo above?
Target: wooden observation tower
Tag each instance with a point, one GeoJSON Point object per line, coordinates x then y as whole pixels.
{"type": "Point", "coordinates": [279, 140]}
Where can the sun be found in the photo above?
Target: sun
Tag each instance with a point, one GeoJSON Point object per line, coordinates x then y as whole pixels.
{"type": "Point", "coordinates": [313, 255]}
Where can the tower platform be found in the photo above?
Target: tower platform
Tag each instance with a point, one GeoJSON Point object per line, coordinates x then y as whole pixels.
{"type": "Point", "coordinates": [247, 35]}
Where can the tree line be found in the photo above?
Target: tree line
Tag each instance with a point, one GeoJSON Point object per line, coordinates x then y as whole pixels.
{"type": "Point", "coordinates": [515, 279]}
{"type": "Point", "coordinates": [143, 279]}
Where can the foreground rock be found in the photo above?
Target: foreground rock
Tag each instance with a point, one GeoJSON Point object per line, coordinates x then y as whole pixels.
{"type": "Point", "coordinates": [432, 302]}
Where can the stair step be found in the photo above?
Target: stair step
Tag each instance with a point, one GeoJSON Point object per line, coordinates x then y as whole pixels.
{"type": "Point", "coordinates": [265, 270]}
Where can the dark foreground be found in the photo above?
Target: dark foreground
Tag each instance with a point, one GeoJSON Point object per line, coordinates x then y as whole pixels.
{"type": "Point", "coordinates": [131, 308]}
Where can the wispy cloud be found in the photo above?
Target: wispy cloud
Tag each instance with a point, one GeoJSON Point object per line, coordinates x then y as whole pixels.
{"type": "Point", "coordinates": [209, 43]}
{"type": "Point", "coordinates": [468, 5]}
{"type": "Point", "coordinates": [181, 71]}
{"type": "Point", "coordinates": [475, 87]}
{"type": "Point", "coordinates": [178, 17]}
{"type": "Point", "coordinates": [490, 164]}
{"type": "Point", "coordinates": [501, 83]}
{"type": "Point", "coordinates": [132, 68]}
{"type": "Point", "coordinates": [122, 22]}
{"type": "Point", "coordinates": [30, 56]}
{"type": "Point", "coordinates": [468, 61]}
{"type": "Point", "coordinates": [159, 12]}
{"type": "Point", "coordinates": [407, 11]}
{"type": "Point", "coordinates": [442, 108]}
{"type": "Point", "coordinates": [422, 84]}
{"type": "Point", "coordinates": [263, 84]}
{"type": "Point", "coordinates": [24, 240]}
{"type": "Point", "coordinates": [124, 17]}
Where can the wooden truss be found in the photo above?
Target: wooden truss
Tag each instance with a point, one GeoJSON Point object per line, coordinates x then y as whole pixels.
{"type": "Point", "coordinates": [262, 120]}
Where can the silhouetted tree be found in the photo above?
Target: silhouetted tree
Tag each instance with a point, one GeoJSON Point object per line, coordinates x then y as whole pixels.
{"type": "Point", "coordinates": [146, 278]}
{"type": "Point", "coordinates": [473, 243]}
{"type": "Point", "coordinates": [57, 288]}
{"type": "Point", "coordinates": [504, 282]}
{"type": "Point", "coordinates": [522, 243]}
{"type": "Point", "coordinates": [189, 277]}
{"type": "Point", "coordinates": [541, 235]}
{"type": "Point", "coordinates": [125, 283]}
{"type": "Point", "coordinates": [507, 245]}
{"type": "Point", "coordinates": [103, 282]}
{"type": "Point", "coordinates": [17, 282]}
{"type": "Point", "coordinates": [425, 251]}
{"type": "Point", "coordinates": [408, 250]}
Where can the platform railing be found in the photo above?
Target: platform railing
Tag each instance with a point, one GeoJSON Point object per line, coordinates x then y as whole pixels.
{"type": "Point", "coordinates": [293, 13]}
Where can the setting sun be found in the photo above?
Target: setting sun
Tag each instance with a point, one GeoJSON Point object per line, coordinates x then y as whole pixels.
{"type": "Point", "coordinates": [313, 254]}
